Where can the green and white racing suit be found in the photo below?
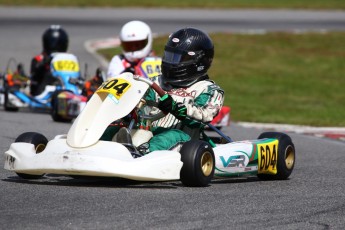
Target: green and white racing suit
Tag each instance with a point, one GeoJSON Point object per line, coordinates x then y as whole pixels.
{"type": "Point", "coordinates": [203, 101]}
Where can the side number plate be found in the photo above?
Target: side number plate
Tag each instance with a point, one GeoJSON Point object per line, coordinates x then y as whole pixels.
{"type": "Point", "coordinates": [268, 156]}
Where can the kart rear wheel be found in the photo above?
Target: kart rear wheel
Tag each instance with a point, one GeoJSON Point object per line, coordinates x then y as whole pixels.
{"type": "Point", "coordinates": [286, 156]}
{"type": "Point", "coordinates": [55, 108]}
{"type": "Point", "coordinates": [198, 163]}
{"type": "Point", "coordinates": [40, 143]}
{"type": "Point", "coordinates": [8, 106]}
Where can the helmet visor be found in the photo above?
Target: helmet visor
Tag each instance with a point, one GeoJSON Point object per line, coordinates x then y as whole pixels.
{"type": "Point", "coordinates": [176, 58]}
{"type": "Point", "coordinates": [131, 46]}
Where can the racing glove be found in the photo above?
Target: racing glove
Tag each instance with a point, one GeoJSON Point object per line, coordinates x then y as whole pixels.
{"type": "Point", "coordinates": [168, 105]}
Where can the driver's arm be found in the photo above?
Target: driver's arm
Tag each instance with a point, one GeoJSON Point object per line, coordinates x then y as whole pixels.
{"type": "Point", "coordinates": [204, 107]}
{"type": "Point", "coordinates": [207, 105]}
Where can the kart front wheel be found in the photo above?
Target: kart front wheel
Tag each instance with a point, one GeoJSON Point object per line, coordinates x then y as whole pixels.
{"type": "Point", "coordinates": [198, 164]}
{"type": "Point", "coordinates": [40, 143]}
{"type": "Point", "coordinates": [286, 156]}
{"type": "Point", "coordinates": [8, 106]}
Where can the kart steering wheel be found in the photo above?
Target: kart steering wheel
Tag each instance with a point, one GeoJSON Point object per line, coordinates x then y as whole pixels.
{"type": "Point", "coordinates": [158, 90]}
{"type": "Point", "coordinates": [152, 84]}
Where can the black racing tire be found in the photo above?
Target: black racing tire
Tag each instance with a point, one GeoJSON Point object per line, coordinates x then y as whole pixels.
{"type": "Point", "coordinates": [198, 163]}
{"type": "Point", "coordinates": [54, 108]}
{"type": "Point", "coordinates": [286, 156]}
{"type": "Point", "coordinates": [8, 106]}
{"type": "Point", "coordinates": [40, 143]}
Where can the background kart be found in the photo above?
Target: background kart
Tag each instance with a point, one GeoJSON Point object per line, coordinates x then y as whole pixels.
{"type": "Point", "coordinates": [62, 99]}
{"type": "Point", "coordinates": [81, 153]}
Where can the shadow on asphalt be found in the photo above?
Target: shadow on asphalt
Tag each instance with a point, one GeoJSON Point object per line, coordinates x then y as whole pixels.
{"type": "Point", "coordinates": [235, 180]}
{"type": "Point", "coordinates": [87, 181]}
{"type": "Point", "coordinates": [106, 182]}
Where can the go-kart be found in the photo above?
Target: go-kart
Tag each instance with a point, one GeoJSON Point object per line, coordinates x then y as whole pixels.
{"type": "Point", "coordinates": [80, 152]}
{"type": "Point", "coordinates": [62, 97]}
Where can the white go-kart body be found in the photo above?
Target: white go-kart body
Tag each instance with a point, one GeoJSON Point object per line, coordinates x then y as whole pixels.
{"type": "Point", "coordinates": [81, 152]}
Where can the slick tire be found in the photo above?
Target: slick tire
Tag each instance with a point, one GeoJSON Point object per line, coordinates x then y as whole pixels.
{"type": "Point", "coordinates": [8, 106]}
{"type": "Point", "coordinates": [286, 156]}
{"type": "Point", "coordinates": [40, 143]}
{"type": "Point", "coordinates": [198, 164]}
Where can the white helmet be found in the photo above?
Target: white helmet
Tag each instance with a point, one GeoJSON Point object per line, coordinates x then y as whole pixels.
{"type": "Point", "coordinates": [136, 40]}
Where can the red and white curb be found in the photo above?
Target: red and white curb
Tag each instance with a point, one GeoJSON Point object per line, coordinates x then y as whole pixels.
{"type": "Point", "coordinates": [337, 133]}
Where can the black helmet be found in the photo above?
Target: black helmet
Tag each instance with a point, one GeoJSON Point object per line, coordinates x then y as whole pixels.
{"type": "Point", "coordinates": [188, 55]}
{"type": "Point", "coordinates": [55, 39]}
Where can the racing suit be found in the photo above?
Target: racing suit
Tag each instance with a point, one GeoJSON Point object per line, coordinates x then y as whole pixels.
{"type": "Point", "coordinates": [202, 100]}
{"type": "Point", "coordinates": [119, 64]}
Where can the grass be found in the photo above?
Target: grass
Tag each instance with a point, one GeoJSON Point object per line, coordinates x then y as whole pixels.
{"type": "Point", "coordinates": [279, 77]}
{"type": "Point", "coordinates": [292, 4]}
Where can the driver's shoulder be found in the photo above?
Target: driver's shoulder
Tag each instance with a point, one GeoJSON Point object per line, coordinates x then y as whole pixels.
{"type": "Point", "coordinates": [207, 84]}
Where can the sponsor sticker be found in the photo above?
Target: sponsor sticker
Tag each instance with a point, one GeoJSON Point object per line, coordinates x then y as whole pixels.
{"type": "Point", "coordinates": [175, 40]}
{"type": "Point", "coordinates": [200, 68]}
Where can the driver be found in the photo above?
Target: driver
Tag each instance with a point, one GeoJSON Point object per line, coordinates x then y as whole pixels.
{"type": "Point", "coordinates": [54, 39]}
{"type": "Point", "coordinates": [136, 43]}
{"type": "Point", "coordinates": [191, 95]}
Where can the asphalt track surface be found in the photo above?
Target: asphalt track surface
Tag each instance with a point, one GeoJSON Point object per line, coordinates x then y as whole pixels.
{"type": "Point", "coordinates": [313, 197]}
